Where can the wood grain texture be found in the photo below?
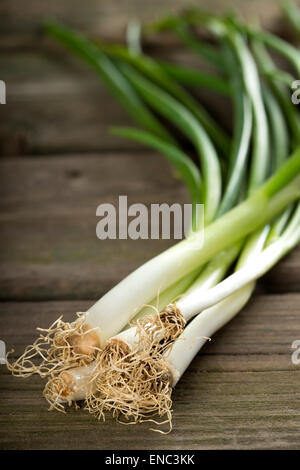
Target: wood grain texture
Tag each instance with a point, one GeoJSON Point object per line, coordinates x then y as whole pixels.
{"type": "Point", "coordinates": [48, 224]}
{"type": "Point", "coordinates": [241, 391]}
{"type": "Point", "coordinates": [23, 20]}
{"type": "Point", "coordinates": [56, 104]}
{"type": "Point", "coordinates": [60, 163]}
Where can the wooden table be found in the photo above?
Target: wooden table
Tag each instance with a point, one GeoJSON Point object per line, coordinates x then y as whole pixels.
{"type": "Point", "coordinates": [59, 163]}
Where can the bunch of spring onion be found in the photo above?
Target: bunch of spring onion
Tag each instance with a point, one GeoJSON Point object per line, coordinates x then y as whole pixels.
{"type": "Point", "coordinates": [249, 184]}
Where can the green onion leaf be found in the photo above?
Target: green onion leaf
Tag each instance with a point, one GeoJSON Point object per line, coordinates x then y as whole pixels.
{"type": "Point", "coordinates": [153, 70]}
{"type": "Point", "coordinates": [109, 73]}
{"type": "Point", "coordinates": [188, 124]}
{"type": "Point", "coordinates": [184, 165]}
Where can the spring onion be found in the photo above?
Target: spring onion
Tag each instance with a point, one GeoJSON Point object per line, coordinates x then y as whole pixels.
{"type": "Point", "coordinates": [252, 219]}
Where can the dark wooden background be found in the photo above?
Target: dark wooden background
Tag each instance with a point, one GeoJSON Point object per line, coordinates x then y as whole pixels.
{"type": "Point", "coordinates": [58, 164]}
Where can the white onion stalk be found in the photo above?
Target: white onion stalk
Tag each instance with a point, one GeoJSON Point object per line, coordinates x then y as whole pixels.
{"type": "Point", "coordinates": [176, 361]}
{"type": "Point", "coordinates": [100, 389]}
{"type": "Point", "coordinates": [167, 296]}
{"type": "Point", "coordinates": [115, 309]}
{"type": "Point", "coordinates": [192, 304]}
{"type": "Point", "coordinates": [140, 385]}
{"type": "Point", "coordinates": [198, 299]}
{"type": "Point", "coordinates": [70, 386]}
{"type": "Point", "coordinates": [210, 277]}
{"type": "Point", "coordinates": [204, 325]}
{"type": "Point", "coordinates": [203, 295]}
{"type": "Point", "coordinates": [78, 343]}
{"type": "Point", "coordinates": [201, 328]}
{"type": "Point", "coordinates": [73, 385]}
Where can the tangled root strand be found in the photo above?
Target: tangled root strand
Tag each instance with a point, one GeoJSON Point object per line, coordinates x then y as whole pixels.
{"type": "Point", "coordinates": [135, 384]}
{"type": "Point", "coordinates": [55, 350]}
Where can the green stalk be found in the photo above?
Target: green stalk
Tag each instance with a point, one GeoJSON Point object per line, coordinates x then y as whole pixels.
{"type": "Point", "coordinates": [153, 70]}
{"type": "Point", "coordinates": [241, 136]}
{"type": "Point", "coordinates": [279, 224]}
{"type": "Point", "coordinates": [282, 189]}
{"type": "Point", "coordinates": [279, 149]}
{"type": "Point", "coordinates": [292, 232]}
{"type": "Point", "coordinates": [260, 153]}
{"type": "Point", "coordinates": [109, 73]}
{"type": "Point", "coordinates": [113, 311]}
{"type": "Point", "coordinates": [167, 296]}
{"type": "Point", "coordinates": [254, 245]}
{"type": "Point", "coordinates": [277, 120]}
{"type": "Point", "coordinates": [133, 36]}
{"type": "Point", "coordinates": [274, 187]}
{"type": "Point", "coordinates": [218, 266]}
{"type": "Point", "coordinates": [188, 124]}
{"type": "Point", "coordinates": [216, 269]}
{"type": "Point", "coordinates": [227, 29]}
{"type": "Point", "coordinates": [274, 42]}
{"type": "Point", "coordinates": [278, 130]}
{"type": "Point", "coordinates": [196, 78]}
{"type": "Point", "coordinates": [208, 277]}
{"type": "Point", "coordinates": [204, 50]}
{"type": "Point", "coordinates": [211, 319]}
{"type": "Point", "coordinates": [292, 13]}
{"type": "Point", "coordinates": [183, 164]}
{"type": "Point", "coordinates": [284, 175]}
{"type": "Point", "coordinates": [267, 66]}
{"type": "Point", "coordinates": [256, 211]}
{"type": "Point", "coordinates": [181, 28]}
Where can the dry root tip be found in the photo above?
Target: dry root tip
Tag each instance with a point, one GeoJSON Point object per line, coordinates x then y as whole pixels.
{"type": "Point", "coordinates": [135, 385]}
{"type": "Point", "coordinates": [54, 351]}
{"type": "Point", "coordinates": [161, 330]}
{"type": "Point", "coordinates": [56, 392]}
{"type": "Point", "coordinates": [85, 342]}
{"type": "Point", "coordinates": [133, 389]}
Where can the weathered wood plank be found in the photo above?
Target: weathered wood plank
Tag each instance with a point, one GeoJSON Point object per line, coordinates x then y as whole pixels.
{"type": "Point", "coordinates": [232, 410]}
{"type": "Point", "coordinates": [19, 19]}
{"type": "Point", "coordinates": [32, 187]}
{"type": "Point", "coordinates": [56, 104]}
{"type": "Point", "coordinates": [48, 224]}
{"type": "Point", "coordinates": [53, 103]}
{"type": "Point", "coordinates": [240, 392]}
{"type": "Point", "coordinates": [268, 325]}
{"type": "Point", "coordinates": [53, 106]}
{"type": "Point", "coordinates": [48, 220]}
